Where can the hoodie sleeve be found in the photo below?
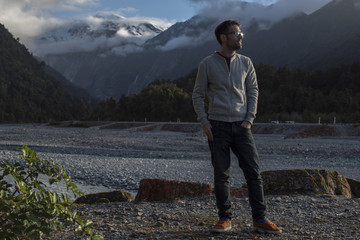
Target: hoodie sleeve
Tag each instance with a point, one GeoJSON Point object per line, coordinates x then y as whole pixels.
{"type": "Point", "coordinates": [252, 93]}
{"type": "Point", "coordinates": [198, 96]}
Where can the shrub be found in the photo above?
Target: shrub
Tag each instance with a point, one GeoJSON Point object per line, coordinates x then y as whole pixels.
{"type": "Point", "coordinates": [27, 209]}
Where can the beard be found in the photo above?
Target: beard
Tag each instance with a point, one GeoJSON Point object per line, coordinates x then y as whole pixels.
{"type": "Point", "coordinates": [236, 45]}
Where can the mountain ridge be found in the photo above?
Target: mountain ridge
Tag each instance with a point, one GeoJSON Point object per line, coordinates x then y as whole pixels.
{"type": "Point", "coordinates": [311, 38]}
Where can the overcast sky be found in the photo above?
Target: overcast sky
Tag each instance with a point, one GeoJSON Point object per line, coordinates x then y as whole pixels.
{"type": "Point", "coordinates": [28, 18]}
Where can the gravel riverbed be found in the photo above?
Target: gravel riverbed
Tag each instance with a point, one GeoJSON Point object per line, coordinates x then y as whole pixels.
{"type": "Point", "coordinates": [106, 159]}
{"type": "Point", "coordinates": [120, 158]}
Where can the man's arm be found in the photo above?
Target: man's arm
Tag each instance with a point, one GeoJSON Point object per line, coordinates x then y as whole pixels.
{"type": "Point", "coordinates": [198, 95]}
{"type": "Point", "coordinates": [198, 98]}
{"type": "Point", "coordinates": [252, 93]}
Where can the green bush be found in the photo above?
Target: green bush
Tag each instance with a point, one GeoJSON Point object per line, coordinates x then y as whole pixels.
{"type": "Point", "coordinates": [27, 209]}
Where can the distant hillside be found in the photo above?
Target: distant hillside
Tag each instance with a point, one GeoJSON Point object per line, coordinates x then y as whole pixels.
{"type": "Point", "coordinates": [75, 90]}
{"type": "Point", "coordinates": [326, 38]}
{"type": "Point", "coordinates": [27, 94]}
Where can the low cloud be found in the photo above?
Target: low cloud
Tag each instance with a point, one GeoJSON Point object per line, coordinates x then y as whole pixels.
{"type": "Point", "coordinates": [118, 45]}
{"type": "Point", "coordinates": [179, 42]}
{"type": "Point", "coordinates": [123, 50]}
{"type": "Point", "coordinates": [186, 41]}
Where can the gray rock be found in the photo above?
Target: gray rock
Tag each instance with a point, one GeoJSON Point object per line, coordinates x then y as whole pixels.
{"type": "Point", "coordinates": [105, 197]}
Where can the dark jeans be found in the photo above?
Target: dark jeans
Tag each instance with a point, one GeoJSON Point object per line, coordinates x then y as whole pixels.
{"type": "Point", "coordinates": [240, 140]}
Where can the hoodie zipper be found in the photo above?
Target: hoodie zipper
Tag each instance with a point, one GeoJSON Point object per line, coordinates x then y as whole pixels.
{"type": "Point", "coordinates": [230, 92]}
{"type": "Point", "coordinates": [230, 88]}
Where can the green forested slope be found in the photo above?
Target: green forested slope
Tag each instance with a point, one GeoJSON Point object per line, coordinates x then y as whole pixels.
{"type": "Point", "coordinates": [27, 94]}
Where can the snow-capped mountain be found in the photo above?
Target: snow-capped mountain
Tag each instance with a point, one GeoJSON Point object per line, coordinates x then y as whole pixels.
{"type": "Point", "coordinates": [93, 31]}
{"type": "Point", "coordinates": [193, 29]}
{"type": "Point", "coordinates": [102, 25]}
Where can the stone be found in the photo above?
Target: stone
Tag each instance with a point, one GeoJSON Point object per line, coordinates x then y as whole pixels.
{"type": "Point", "coordinates": [102, 200]}
{"type": "Point", "coordinates": [305, 181]}
{"type": "Point", "coordinates": [239, 192]}
{"type": "Point", "coordinates": [170, 190]}
{"type": "Point", "coordinates": [105, 197]}
{"type": "Point", "coordinates": [354, 186]}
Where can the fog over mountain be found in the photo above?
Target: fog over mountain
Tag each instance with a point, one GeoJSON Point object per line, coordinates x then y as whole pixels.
{"type": "Point", "coordinates": [105, 31]}
{"type": "Point", "coordinates": [36, 24]}
{"type": "Point", "coordinates": [111, 33]}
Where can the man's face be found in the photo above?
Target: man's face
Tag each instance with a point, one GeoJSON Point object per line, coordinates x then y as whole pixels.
{"type": "Point", "coordinates": [233, 42]}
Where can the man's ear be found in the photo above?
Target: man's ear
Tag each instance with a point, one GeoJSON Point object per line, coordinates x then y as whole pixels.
{"type": "Point", "coordinates": [223, 37]}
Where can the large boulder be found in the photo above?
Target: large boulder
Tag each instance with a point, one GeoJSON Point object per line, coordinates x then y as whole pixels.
{"type": "Point", "coordinates": [169, 190]}
{"type": "Point", "coordinates": [105, 197]}
{"type": "Point", "coordinates": [354, 186]}
{"type": "Point", "coordinates": [305, 181]}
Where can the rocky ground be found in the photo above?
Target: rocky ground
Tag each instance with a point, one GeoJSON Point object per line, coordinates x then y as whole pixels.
{"type": "Point", "coordinates": [118, 156]}
{"type": "Point", "coordinates": [300, 217]}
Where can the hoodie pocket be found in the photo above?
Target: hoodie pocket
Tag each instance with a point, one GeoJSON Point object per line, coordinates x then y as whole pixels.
{"type": "Point", "coordinates": [218, 105]}
{"type": "Point", "coordinates": [240, 101]}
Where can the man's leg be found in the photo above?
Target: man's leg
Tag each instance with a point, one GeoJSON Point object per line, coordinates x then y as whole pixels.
{"type": "Point", "coordinates": [245, 150]}
{"type": "Point", "coordinates": [220, 157]}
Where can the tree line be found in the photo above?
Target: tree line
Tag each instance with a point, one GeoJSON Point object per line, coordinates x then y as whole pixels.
{"type": "Point", "coordinates": [162, 100]}
{"type": "Point", "coordinates": [285, 95]}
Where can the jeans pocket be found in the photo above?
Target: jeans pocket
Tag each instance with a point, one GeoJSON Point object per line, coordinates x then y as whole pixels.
{"type": "Point", "coordinates": [215, 123]}
{"type": "Point", "coordinates": [238, 123]}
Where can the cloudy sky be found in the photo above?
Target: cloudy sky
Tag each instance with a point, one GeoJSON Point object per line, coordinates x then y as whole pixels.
{"type": "Point", "coordinates": [30, 18]}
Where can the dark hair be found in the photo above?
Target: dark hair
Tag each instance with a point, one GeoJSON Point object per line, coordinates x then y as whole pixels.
{"type": "Point", "coordinates": [223, 28]}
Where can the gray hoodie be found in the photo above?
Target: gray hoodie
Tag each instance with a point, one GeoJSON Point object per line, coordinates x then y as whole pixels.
{"type": "Point", "coordinates": [233, 95]}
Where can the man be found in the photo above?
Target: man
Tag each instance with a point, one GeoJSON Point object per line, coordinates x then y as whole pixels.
{"type": "Point", "coordinates": [230, 82]}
